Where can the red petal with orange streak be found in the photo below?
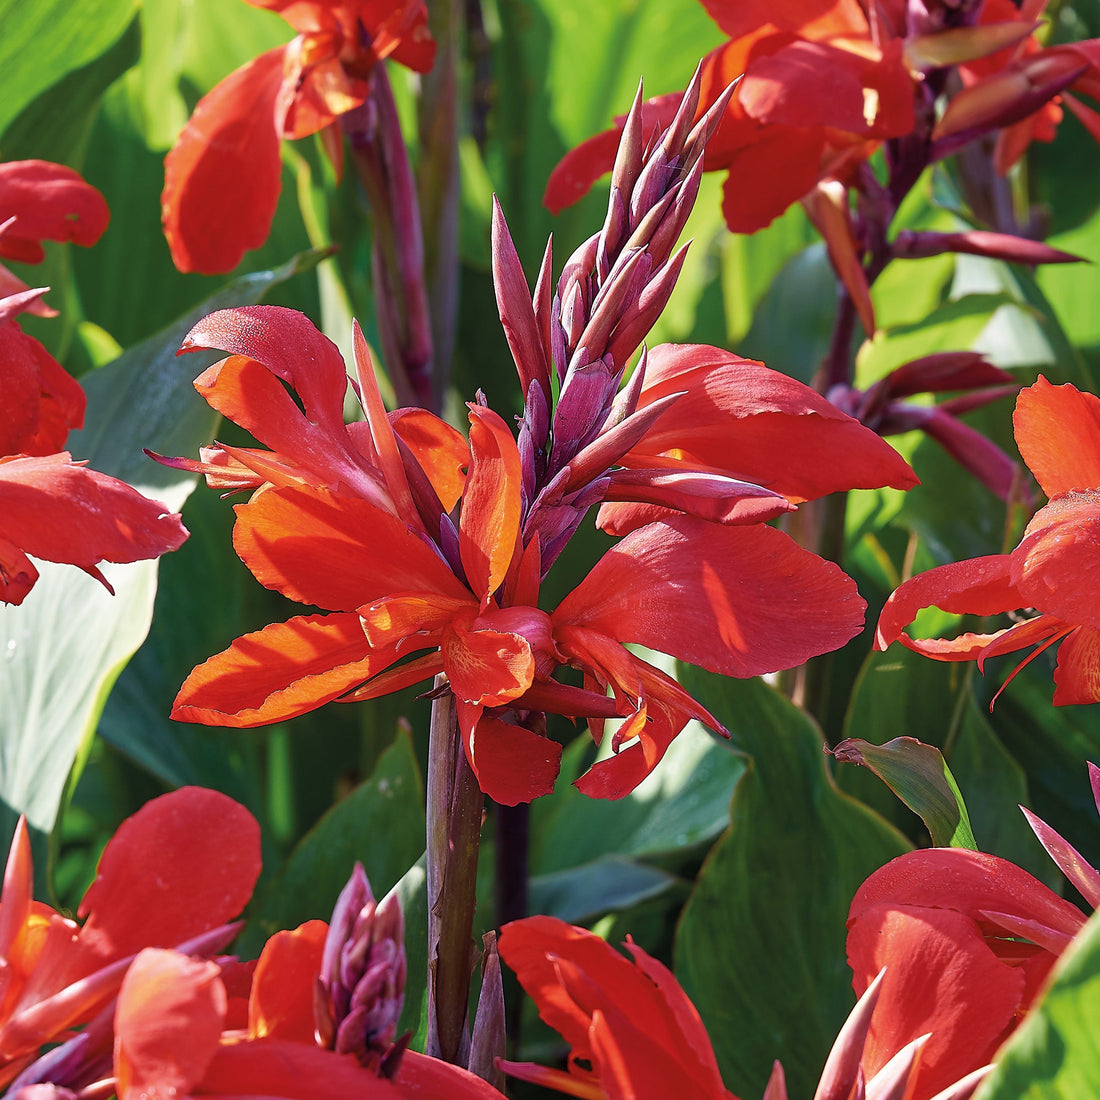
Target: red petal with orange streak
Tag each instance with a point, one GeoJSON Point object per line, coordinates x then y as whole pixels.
{"type": "Point", "coordinates": [168, 1022]}
{"type": "Point", "coordinates": [223, 176]}
{"type": "Point", "coordinates": [512, 764]}
{"type": "Point", "coordinates": [487, 667]}
{"type": "Point", "coordinates": [49, 202]}
{"type": "Point", "coordinates": [206, 849]}
{"type": "Point", "coordinates": [1077, 675]}
{"type": "Point", "coordinates": [280, 672]}
{"type": "Point", "coordinates": [979, 586]}
{"type": "Point", "coordinates": [1058, 433]}
{"type": "Point", "coordinates": [281, 1003]}
{"type": "Point", "coordinates": [283, 535]}
{"type": "Point", "coordinates": [489, 522]}
{"type": "Point", "coordinates": [941, 977]}
{"type": "Point", "coordinates": [739, 418]}
{"type": "Point", "coordinates": [735, 600]}
{"type": "Point", "coordinates": [442, 452]}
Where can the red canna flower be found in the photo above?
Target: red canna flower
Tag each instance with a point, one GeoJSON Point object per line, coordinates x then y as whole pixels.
{"type": "Point", "coordinates": [821, 87]}
{"type": "Point", "coordinates": [631, 1029]}
{"type": "Point", "coordinates": [175, 1034]}
{"type": "Point", "coordinates": [1058, 432]}
{"type": "Point", "coordinates": [357, 520]}
{"type": "Point", "coordinates": [51, 507]}
{"type": "Point", "coordinates": [223, 176]}
{"type": "Point", "coordinates": [967, 940]}
{"type": "Point", "coordinates": [633, 1032]}
{"type": "Point", "coordinates": [175, 872]}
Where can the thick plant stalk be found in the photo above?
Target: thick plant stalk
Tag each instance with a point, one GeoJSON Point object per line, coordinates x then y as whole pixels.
{"type": "Point", "coordinates": [454, 831]}
{"type": "Point", "coordinates": [397, 246]}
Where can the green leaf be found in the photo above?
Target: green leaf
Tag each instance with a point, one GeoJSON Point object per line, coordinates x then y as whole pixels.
{"type": "Point", "coordinates": [760, 945]}
{"type": "Point", "coordinates": [67, 643]}
{"type": "Point", "coordinates": [46, 40]}
{"type": "Point", "coordinates": [1054, 1055]}
{"type": "Point", "coordinates": [380, 824]}
{"type": "Point", "coordinates": [580, 894]}
{"type": "Point", "coordinates": [918, 774]}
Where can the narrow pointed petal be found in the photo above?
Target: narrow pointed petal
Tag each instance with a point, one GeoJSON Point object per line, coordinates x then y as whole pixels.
{"type": "Point", "coordinates": [838, 1078]}
{"type": "Point", "coordinates": [223, 176]}
{"type": "Point", "coordinates": [280, 672]}
{"type": "Point", "coordinates": [18, 892]}
{"type": "Point", "coordinates": [979, 242]}
{"type": "Point", "coordinates": [491, 503]}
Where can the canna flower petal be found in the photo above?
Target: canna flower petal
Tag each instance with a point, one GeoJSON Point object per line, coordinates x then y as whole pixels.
{"type": "Point", "coordinates": [167, 1025]}
{"type": "Point", "coordinates": [281, 1001]}
{"type": "Point", "coordinates": [222, 178]}
{"type": "Point", "coordinates": [40, 401]}
{"type": "Point", "coordinates": [49, 202]}
{"type": "Point", "coordinates": [1058, 432]}
{"type": "Point", "coordinates": [55, 509]}
{"type": "Point", "coordinates": [512, 764]}
{"type": "Point", "coordinates": [736, 600]}
{"type": "Point", "coordinates": [629, 1021]}
{"type": "Point", "coordinates": [281, 671]}
{"type": "Point", "coordinates": [1077, 674]}
{"type": "Point", "coordinates": [736, 416]}
{"type": "Point", "coordinates": [491, 504]}
{"type": "Point", "coordinates": [281, 534]}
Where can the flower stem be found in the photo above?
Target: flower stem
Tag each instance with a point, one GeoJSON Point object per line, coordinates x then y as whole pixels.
{"type": "Point", "coordinates": [454, 831]}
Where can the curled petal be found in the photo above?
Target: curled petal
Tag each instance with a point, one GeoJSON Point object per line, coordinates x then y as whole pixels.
{"type": "Point", "coordinates": [49, 202]}
{"type": "Point", "coordinates": [57, 510]}
{"type": "Point", "coordinates": [980, 586]}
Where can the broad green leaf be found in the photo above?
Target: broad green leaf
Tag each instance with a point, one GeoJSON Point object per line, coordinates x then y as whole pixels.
{"type": "Point", "coordinates": [380, 824]}
{"type": "Point", "coordinates": [918, 774]}
{"type": "Point", "coordinates": [56, 125]}
{"type": "Point", "coordinates": [64, 647]}
{"type": "Point", "coordinates": [46, 40]}
{"type": "Point", "coordinates": [582, 893]}
{"type": "Point", "coordinates": [760, 945]}
{"type": "Point", "coordinates": [901, 693]}
{"type": "Point", "coordinates": [1053, 1055]}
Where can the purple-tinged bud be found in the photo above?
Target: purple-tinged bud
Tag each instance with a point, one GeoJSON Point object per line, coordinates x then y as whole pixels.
{"type": "Point", "coordinates": [542, 302]}
{"type": "Point", "coordinates": [361, 987]}
{"type": "Point", "coordinates": [628, 166]}
{"type": "Point", "coordinates": [667, 229]}
{"type": "Point", "coordinates": [636, 323]}
{"type": "Point", "coordinates": [534, 432]}
{"type": "Point", "coordinates": [582, 407]}
{"type": "Point", "coordinates": [612, 303]}
{"type": "Point", "coordinates": [488, 1039]}
{"type": "Point", "coordinates": [516, 308]}
{"type": "Point", "coordinates": [842, 1065]}
{"type": "Point", "coordinates": [910, 244]}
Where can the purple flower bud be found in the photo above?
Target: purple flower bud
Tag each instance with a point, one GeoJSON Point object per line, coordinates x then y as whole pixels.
{"type": "Point", "coordinates": [361, 987]}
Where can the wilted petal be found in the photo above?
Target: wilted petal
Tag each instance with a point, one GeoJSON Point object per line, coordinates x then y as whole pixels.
{"type": "Point", "coordinates": [49, 202]}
